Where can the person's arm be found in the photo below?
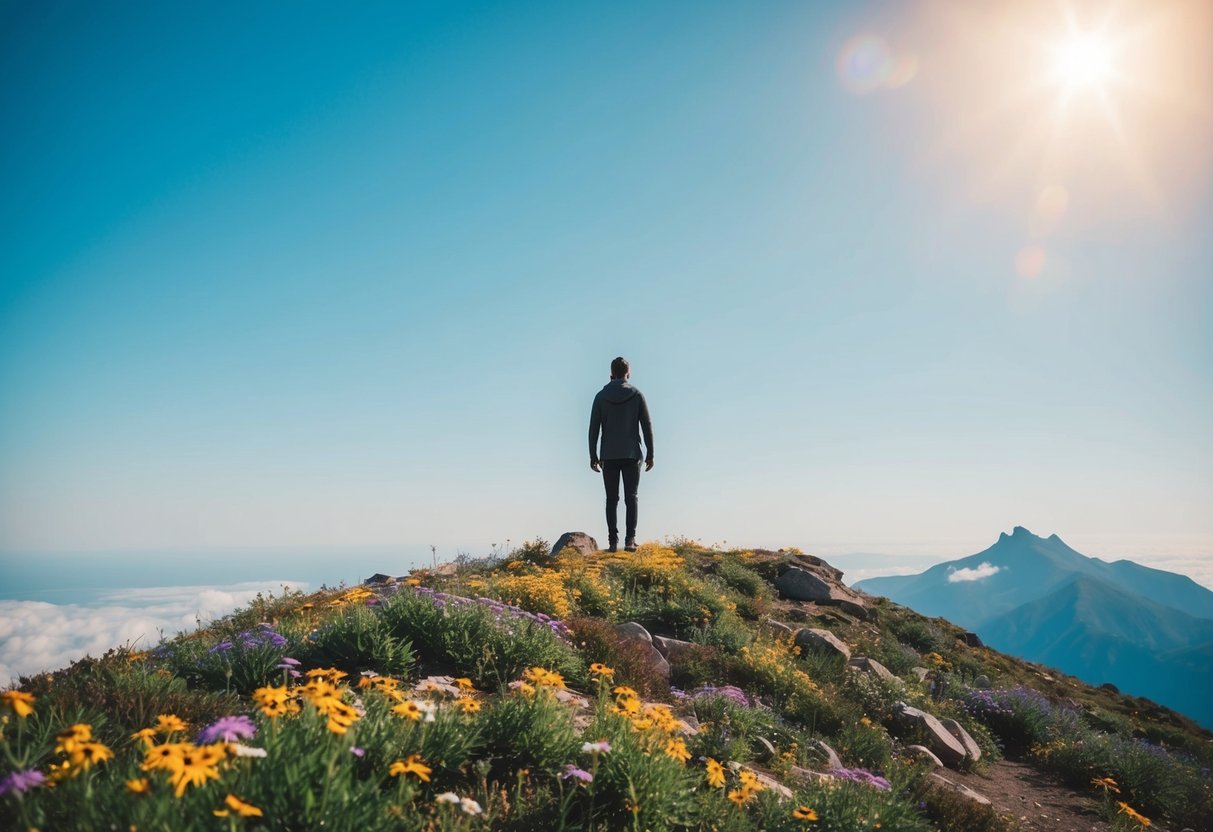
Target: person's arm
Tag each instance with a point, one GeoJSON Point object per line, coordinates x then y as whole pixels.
{"type": "Point", "coordinates": [646, 427]}
{"type": "Point", "coordinates": [595, 426]}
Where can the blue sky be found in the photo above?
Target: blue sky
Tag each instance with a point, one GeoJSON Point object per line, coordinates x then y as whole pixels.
{"type": "Point", "coordinates": [330, 277]}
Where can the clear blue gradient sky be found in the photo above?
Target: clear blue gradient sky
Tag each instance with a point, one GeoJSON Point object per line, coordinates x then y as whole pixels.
{"type": "Point", "coordinates": [350, 275]}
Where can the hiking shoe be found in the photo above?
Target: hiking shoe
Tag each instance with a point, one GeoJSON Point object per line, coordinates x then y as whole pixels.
{"type": "Point", "coordinates": [630, 546]}
{"type": "Point", "coordinates": [614, 547]}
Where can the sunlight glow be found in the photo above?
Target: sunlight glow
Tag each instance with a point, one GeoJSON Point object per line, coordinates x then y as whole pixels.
{"type": "Point", "coordinates": [1083, 61]}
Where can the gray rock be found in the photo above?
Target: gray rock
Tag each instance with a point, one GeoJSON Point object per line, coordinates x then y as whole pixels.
{"type": "Point", "coordinates": [767, 781]}
{"type": "Point", "coordinates": [921, 672]}
{"type": "Point", "coordinates": [807, 775]}
{"type": "Point", "coordinates": [777, 628]}
{"type": "Point", "coordinates": [816, 564]}
{"type": "Point", "coordinates": [580, 541]}
{"type": "Point", "coordinates": [961, 789]}
{"type": "Point", "coordinates": [766, 749]}
{"type": "Point", "coordinates": [946, 747]}
{"type": "Point", "coordinates": [828, 754]}
{"type": "Point", "coordinates": [855, 608]}
{"type": "Point", "coordinates": [802, 585]}
{"type": "Point", "coordinates": [972, 749]}
{"type": "Point", "coordinates": [671, 647]}
{"type": "Point", "coordinates": [657, 661]}
{"type": "Point", "coordinates": [380, 578]}
{"type": "Point", "coordinates": [631, 629]}
{"type": "Point", "coordinates": [814, 640]}
{"type": "Point", "coordinates": [982, 681]}
{"type": "Point", "coordinates": [871, 666]}
{"type": "Point", "coordinates": [972, 639]}
{"type": "Point", "coordinates": [924, 753]}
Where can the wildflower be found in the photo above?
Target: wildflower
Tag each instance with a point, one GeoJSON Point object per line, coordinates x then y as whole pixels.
{"type": "Point", "coordinates": [195, 766]}
{"type": "Point", "coordinates": [221, 647]}
{"type": "Point", "coordinates": [242, 809]}
{"type": "Point", "coordinates": [749, 780]}
{"type": "Point", "coordinates": [1105, 783]}
{"type": "Point", "coordinates": [468, 705]}
{"type": "Point", "coordinates": [804, 813]}
{"type": "Point", "coordinates": [287, 662]}
{"type": "Point", "coordinates": [169, 724]}
{"type": "Point", "coordinates": [542, 677]}
{"type": "Point", "coordinates": [412, 765]}
{"type": "Point", "coordinates": [409, 710]}
{"type": "Point", "coordinates": [624, 691]}
{"type": "Point", "coordinates": [470, 806]}
{"type": "Point", "coordinates": [860, 775]}
{"type": "Point", "coordinates": [447, 797]}
{"type": "Point", "coordinates": [86, 754]}
{"type": "Point", "coordinates": [19, 702]}
{"type": "Point", "coordinates": [600, 669]}
{"type": "Point", "coordinates": [357, 752]}
{"type": "Point", "coordinates": [600, 747]}
{"type": "Point", "coordinates": [865, 722]}
{"type": "Point", "coordinates": [71, 737]}
{"type": "Point", "coordinates": [740, 796]}
{"type": "Point", "coordinates": [463, 683]}
{"type": "Point", "coordinates": [228, 729]}
{"type": "Point", "coordinates": [166, 756]}
{"type": "Point", "coordinates": [715, 774]}
{"type": "Point", "coordinates": [145, 735]}
{"type": "Point", "coordinates": [677, 749]}
{"type": "Point", "coordinates": [275, 701]}
{"type": "Point", "coordinates": [571, 772]}
{"type": "Point", "coordinates": [238, 750]}
{"type": "Point", "coordinates": [20, 782]}
{"type": "Point", "coordinates": [138, 785]}
{"type": "Point", "coordinates": [1125, 808]}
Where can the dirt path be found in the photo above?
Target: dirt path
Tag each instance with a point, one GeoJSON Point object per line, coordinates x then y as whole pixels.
{"type": "Point", "coordinates": [1038, 801]}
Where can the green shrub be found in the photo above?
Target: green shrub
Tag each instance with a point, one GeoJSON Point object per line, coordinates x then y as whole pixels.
{"type": "Point", "coordinates": [357, 638]}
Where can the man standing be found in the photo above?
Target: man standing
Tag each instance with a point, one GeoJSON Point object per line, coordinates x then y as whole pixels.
{"type": "Point", "coordinates": [621, 414]}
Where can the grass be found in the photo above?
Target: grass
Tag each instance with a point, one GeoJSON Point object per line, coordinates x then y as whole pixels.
{"type": "Point", "coordinates": [313, 711]}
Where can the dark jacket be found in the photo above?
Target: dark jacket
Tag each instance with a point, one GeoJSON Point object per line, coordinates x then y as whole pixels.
{"type": "Point", "coordinates": [621, 413]}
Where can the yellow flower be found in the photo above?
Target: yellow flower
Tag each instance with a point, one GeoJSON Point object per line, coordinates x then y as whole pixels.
{"type": "Point", "coordinates": [166, 756]}
{"type": "Point", "coordinates": [1125, 808]}
{"type": "Point", "coordinates": [468, 705]}
{"type": "Point", "coordinates": [408, 710]}
{"type": "Point", "coordinates": [1105, 783]}
{"type": "Point", "coordinates": [412, 765]}
{"type": "Point", "coordinates": [71, 737]}
{"type": "Point", "coordinates": [865, 722]}
{"type": "Point", "coordinates": [86, 754]}
{"type": "Point", "coordinates": [625, 692]}
{"type": "Point", "coordinates": [677, 749]}
{"type": "Point", "coordinates": [542, 677]}
{"type": "Point", "coordinates": [749, 780]}
{"type": "Point", "coordinates": [464, 683]}
{"type": "Point", "coordinates": [20, 702]}
{"type": "Point", "coordinates": [194, 767]}
{"type": "Point", "coordinates": [138, 785]}
{"type": "Point", "coordinates": [275, 701]}
{"type": "Point", "coordinates": [804, 813]}
{"type": "Point", "coordinates": [715, 774]}
{"type": "Point", "coordinates": [600, 669]}
{"type": "Point", "coordinates": [146, 736]}
{"type": "Point", "coordinates": [740, 796]}
{"type": "Point", "coordinates": [169, 724]}
{"type": "Point", "coordinates": [242, 809]}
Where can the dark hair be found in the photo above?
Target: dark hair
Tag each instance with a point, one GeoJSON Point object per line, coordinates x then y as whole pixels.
{"type": "Point", "coordinates": [619, 367]}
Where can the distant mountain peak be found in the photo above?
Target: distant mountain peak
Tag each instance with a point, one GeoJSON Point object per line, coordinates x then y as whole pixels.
{"type": "Point", "coordinates": [1018, 533]}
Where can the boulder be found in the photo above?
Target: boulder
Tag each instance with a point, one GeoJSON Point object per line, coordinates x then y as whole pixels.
{"type": "Point", "coordinates": [924, 753]}
{"type": "Point", "coordinates": [766, 780]}
{"type": "Point", "coordinates": [946, 747]}
{"type": "Point", "coordinates": [854, 608]}
{"type": "Point", "coordinates": [671, 647]}
{"type": "Point", "coordinates": [814, 640]}
{"type": "Point", "coordinates": [777, 628]}
{"type": "Point", "coordinates": [380, 578]}
{"type": "Point", "coordinates": [807, 775]}
{"type": "Point", "coordinates": [921, 672]}
{"type": "Point", "coordinates": [766, 749]}
{"type": "Point", "coordinates": [871, 666]}
{"type": "Point", "coordinates": [961, 789]}
{"type": "Point", "coordinates": [580, 541]}
{"type": "Point", "coordinates": [802, 585]}
{"type": "Point", "coordinates": [972, 749]}
{"type": "Point", "coordinates": [982, 681]}
{"type": "Point", "coordinates": [630, 629]}
{"type": "Point", "coordinates": [828, 754]}
{"type": "Point", "coordinates": [972, 639]}
{"type": "Point", "coordinates": [819, 565]}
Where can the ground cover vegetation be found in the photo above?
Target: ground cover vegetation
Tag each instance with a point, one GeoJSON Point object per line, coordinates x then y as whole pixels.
{"type": "Point", "coordinates": [498, 693]}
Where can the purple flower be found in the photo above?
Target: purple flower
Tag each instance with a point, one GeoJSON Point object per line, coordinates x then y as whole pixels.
{"type": "Point", "coordinates": [356, 751]}
{"type": "Point", "coordinates": [228, 729]}
{"type": "Point", "coordinates": [288, 663]}
{"type": "Point", "coordinates": [861, 775]}
{"type": "Point", "coordinates": [221, 647]}
{"type": "Point", "coordinates": [571, 771]}
{"type": "Point", "coordinates": [20, 782]}
{"type": "Point", "coordinates": [730, 692]}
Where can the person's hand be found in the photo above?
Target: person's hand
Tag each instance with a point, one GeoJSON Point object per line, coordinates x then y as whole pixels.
{"type": "Point", "coordinates": [594, 466]}
{"type": "Point", "coordinates": [648, 465]}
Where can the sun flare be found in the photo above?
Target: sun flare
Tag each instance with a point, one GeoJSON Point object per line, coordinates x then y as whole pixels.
{"type": "Point", "coordinates": [1083, 61]}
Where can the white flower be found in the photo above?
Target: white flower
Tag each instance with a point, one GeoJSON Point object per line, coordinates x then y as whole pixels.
{"type": "Point", "coordinates": [246, 750]}
{"type": "Point", "coordinates": [470, 806]}
{"type": "Point", "coordinates": [447, 797]}
{"type": "Point", "coordinates": [600, 747]}
{"type": "Point", "coordinates": [427, 708]}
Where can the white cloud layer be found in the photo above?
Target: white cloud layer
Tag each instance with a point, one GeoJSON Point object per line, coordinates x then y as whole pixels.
{"type": "Point", "coordinates": [984, 570]}
{"type": "Point", "coordinates": [36, 636]}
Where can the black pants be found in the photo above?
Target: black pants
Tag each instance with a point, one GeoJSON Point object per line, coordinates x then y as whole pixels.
{"type": "Point", "coordinates": [612, 471]}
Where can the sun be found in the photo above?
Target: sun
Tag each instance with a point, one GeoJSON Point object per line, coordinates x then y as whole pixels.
{"type": "Point", "coordinates": [1083, 62]}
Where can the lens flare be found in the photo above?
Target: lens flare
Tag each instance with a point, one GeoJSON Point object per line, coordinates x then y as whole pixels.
{"type": "Point", "coordinates": [866, 64]}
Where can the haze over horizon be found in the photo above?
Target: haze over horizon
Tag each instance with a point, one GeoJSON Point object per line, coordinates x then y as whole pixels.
{"type": "Point", "coordinates": [893, 277]}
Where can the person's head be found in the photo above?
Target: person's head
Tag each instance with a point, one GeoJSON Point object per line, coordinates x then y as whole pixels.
{"type": "Point", "coordinates": [620, 368]}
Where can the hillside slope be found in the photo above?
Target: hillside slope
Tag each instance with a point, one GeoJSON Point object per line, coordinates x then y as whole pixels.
{"type": "Point", "coordinates": [675, 688]}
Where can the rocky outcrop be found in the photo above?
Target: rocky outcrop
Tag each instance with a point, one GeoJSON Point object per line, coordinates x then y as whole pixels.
{"type": "Point", "coordinates": [671, 647]}
{"type": "Point", "coordinates": [960, 789]}
{"type": "Point", "coordinates": [814, 640]}
{"type": "Point", "coordinates": [630, 629]}
{"type": "Point", "coordinates": [818, 584]}
{"type": "Point", "coordinates": [945, 746]}
{"type": "Point", "coordinates": [972, 749]}
{"type": "Point", "coordinates": [635, 632]}
{"type": "Point", "coordinates": [580, 541]}
{"type": "Point", "coordinates": [871, 666]}
{"type": "Point", "coordinates": [829, 756]}
{"type": "Point", "coordinates": [921, 752]}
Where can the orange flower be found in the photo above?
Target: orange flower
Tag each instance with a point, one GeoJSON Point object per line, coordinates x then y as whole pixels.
{"type": "Point", "coordinates": [412, 765]}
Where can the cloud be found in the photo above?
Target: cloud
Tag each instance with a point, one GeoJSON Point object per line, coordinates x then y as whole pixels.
{"type": "Point", "coordinates": [36, 636]}
{"type": "Point", "coordinates": [985, 570]}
